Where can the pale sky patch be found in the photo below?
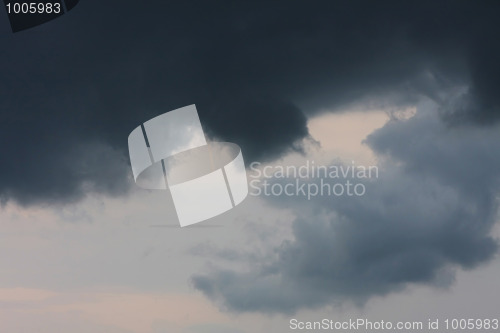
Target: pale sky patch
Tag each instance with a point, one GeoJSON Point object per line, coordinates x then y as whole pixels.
{"type": "Point", "coordinates": [342, 134]}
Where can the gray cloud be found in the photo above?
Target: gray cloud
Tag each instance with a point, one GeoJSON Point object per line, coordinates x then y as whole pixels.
{"type": "Point", "coordinates": [430, 212]}
{"type": "Point", "coordinates": [253, 69]}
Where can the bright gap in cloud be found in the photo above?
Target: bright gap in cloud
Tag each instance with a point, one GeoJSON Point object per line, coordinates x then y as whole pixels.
{"type": "Point", "coordinates": [341, 135]}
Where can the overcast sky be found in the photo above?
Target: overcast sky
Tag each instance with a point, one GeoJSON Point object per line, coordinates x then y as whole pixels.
{"type": "Point", "coordinates": [409, 87]}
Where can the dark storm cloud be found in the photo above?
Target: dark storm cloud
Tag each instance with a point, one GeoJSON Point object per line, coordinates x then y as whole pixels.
{"type": "Point", "coordinates": [430, 211]}
{"type": "Point", "coordinates": [253, 69]}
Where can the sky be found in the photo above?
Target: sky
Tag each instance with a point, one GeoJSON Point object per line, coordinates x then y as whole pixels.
{"type": "Point", "coordinates": [407, 87]}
